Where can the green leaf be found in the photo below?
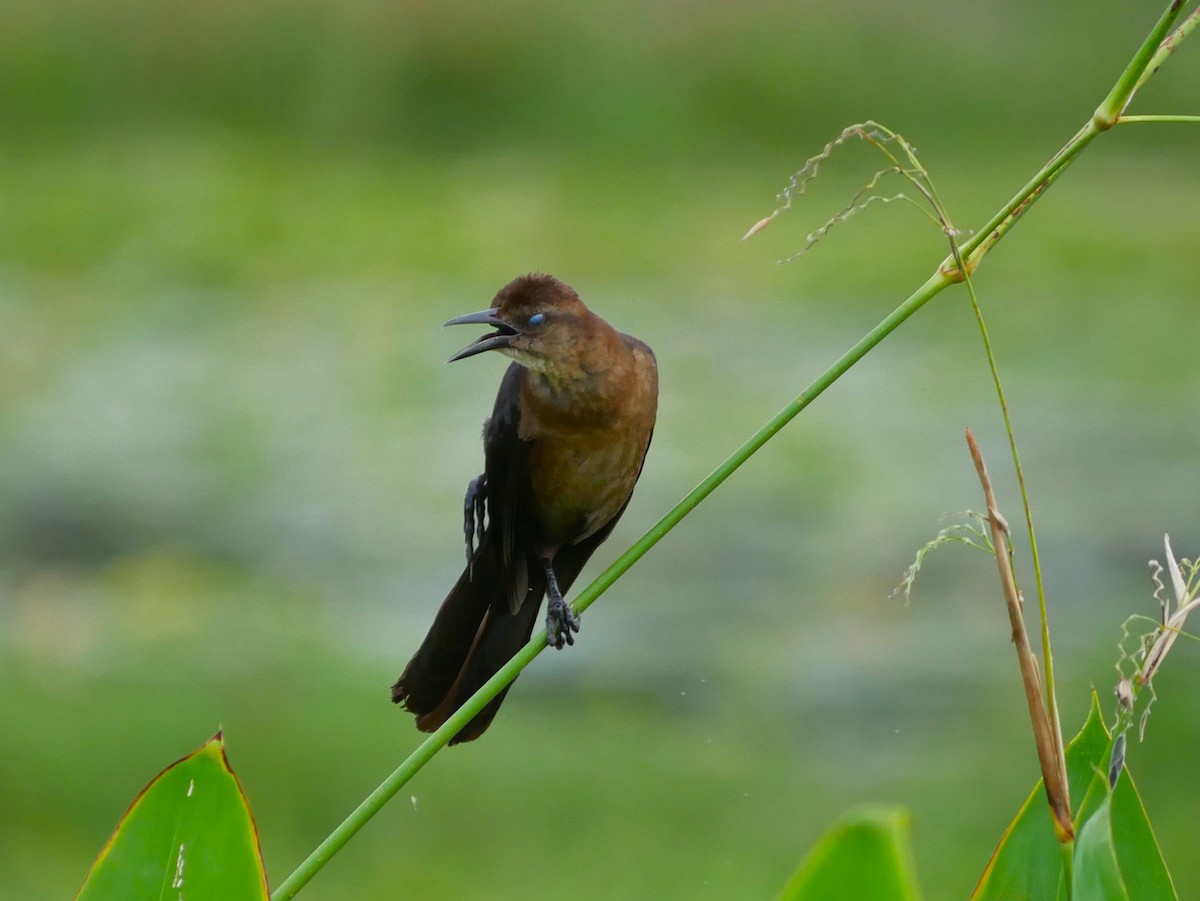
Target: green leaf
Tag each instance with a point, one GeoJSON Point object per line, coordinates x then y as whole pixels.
{"type": "Point", "coordinates": [1028, 862]}
{"type": "Point", "coordinates": [866, 855]}
{"type": "Point", "coordinates": [189, 834]}
{"type": "Point", "coordinates": [1142, 867]}
{"type": "Point", "coordinates": [1116, 855]}
{"type": "Point", "coordinates": [1097, 873]}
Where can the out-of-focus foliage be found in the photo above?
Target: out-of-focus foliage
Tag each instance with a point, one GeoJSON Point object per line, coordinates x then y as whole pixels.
{"type": "Point", "coordinates": [448, 79]}
{"type": "Point", "coordinates": [232, 462]}
{"type": "Point", "coordinates": [866, 855]}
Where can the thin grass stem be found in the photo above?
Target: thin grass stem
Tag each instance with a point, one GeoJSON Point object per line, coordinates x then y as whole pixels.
{"type": "Point", "coordinates": [1131, 120]}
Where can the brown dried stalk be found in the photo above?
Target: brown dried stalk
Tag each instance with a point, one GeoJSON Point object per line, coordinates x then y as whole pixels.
{"type": "Point", "coordinates": [1049, 741]}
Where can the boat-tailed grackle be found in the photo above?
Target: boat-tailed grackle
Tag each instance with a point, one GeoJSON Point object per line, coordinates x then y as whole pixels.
{"type": "Point", "coordinates": [563, 449]}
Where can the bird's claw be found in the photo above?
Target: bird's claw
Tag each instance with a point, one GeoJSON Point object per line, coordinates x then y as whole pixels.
{"type": "Point", "coordinates": [473, 509]}
{"type": "Point", "coordinates": [561, 622]}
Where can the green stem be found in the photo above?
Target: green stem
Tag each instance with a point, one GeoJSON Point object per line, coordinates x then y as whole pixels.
{"type": "Point", "coordinates": [1051, 698]}
{"type": "Point", "coordinates": [1167, 47]}
{"type": "Point", "coordinates": [375, 801]}
{"type": "Point", "coordinates": [1126, 120]}
{"type": "Point", "coordinates": [933, 285]}
{"type": "Point", "coordinates": [1149, 57]}
{"type": "Point", "coordinates": [978, 246]}
{"type": "Point", "coordinates": [402, 774]}
{"type": "Point", "coordinates": [1066, 851]}
{"type": "Point", "coordinates": [1153, 52]}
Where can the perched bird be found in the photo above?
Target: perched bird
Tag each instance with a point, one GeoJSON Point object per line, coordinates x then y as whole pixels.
{"type": "Point", "coordinates": [563, 449]}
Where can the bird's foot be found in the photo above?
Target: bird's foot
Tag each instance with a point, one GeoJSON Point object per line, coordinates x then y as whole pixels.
{"type": "Point", "coordinates": [561, 622]}
{"type": "Point", "coordinates": [473, 508]}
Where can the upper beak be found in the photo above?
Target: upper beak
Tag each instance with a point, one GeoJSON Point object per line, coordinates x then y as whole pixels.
{"type": "Point", "coordinates": [502, 337]}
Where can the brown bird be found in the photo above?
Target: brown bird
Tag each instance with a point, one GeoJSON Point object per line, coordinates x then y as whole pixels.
{"type": "Point", "coordinates": [563, 448]}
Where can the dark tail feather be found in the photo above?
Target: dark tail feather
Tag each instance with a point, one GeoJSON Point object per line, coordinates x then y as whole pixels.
{"type": "Point", "coordinates": [472, 637]}
{"type": "Point", "coordinates": [502, 635]}
{"type": "Point", "coordinates": [431, 674]}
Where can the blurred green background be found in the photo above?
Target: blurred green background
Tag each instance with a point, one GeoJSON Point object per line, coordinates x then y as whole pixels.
{"type": "Point", "coordinates": [232, 459]}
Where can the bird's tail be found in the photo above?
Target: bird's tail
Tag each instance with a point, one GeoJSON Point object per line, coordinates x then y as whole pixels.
{"type": "Point", "coordinates": [473, 635]}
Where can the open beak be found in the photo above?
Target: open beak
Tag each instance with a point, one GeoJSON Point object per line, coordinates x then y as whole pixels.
{"type": "Point", "coordinates": [502, 337]}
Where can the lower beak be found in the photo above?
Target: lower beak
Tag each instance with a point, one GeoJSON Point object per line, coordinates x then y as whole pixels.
{"type": "Point", "coordinates": [500, 338]}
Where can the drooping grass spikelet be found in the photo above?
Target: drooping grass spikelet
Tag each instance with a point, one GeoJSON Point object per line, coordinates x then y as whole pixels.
{"type": "Point", "coordinates": [904, 164]}
{"type": "Point", "coordinates": [972, 533]}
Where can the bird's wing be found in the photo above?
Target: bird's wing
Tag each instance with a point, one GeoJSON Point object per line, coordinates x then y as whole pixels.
{"type": "Point", "coordinates": [506, 462]}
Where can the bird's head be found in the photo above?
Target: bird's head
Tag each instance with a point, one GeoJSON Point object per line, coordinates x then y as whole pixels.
{"type": "Point", "coordinates": [538, 320]}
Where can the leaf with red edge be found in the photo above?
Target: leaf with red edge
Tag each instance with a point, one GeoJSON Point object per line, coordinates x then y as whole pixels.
{"type": "Point", "coordinates": [188, 835]}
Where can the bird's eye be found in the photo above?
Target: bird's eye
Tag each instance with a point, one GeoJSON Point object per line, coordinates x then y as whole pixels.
{"type": "Point", "coordinates": [536, 319]}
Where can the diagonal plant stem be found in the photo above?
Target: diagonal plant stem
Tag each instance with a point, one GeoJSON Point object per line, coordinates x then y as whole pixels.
{"type": "Point", "coordinates": [949, 272]}
{"type": "Point", "coordinates": [425, 751]}
{"type": "Point", "coordinates": [1153, 52]}
{"type": "Point", "coordinates": [1159, 44]}
{"type": "Point", "coordinates": [1168, 45]}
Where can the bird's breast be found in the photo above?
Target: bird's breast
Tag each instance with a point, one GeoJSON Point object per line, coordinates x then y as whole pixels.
{"type": "Point", "coordinates": [580, 481]}
{"type": "Point", "coordinates": [588, 436]}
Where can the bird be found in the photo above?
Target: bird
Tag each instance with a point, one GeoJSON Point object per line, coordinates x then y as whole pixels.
{"type": "Point", "coordinates": [563, 448]}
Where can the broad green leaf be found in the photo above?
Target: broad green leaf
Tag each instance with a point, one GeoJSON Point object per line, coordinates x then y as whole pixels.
{"type": "Point", "coordinates": [1142, 867]}
{"type": "Point", "coordinates": [1116, 855]}
{"type": "Point", "coordinates": [866, 855]}
{"type": "Point", "coordinates": [188, 835]}
{"type": "Point", "coordinates": [1097, 874]}
{"type": "Point", "coordinates": [1028, 862]}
